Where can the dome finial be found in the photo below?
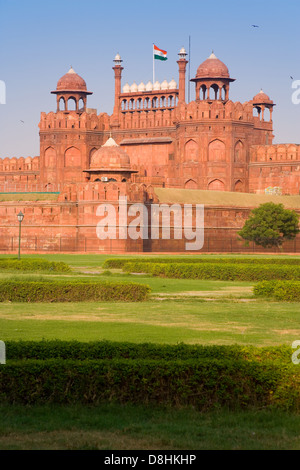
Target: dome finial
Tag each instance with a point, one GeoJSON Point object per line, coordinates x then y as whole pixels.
{"type": "Point", "coordinates": [212, 55]}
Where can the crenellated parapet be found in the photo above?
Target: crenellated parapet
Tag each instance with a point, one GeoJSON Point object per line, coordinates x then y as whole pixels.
{"type": "Point", "coordinates": [205, 110]}
{"type": "Point", "coordinates": [111, 192]}
{"type": "Point", "coordinates": [88, 120]}
{"type": "Point", "coordinates": [278, 153]}
{"type": "Point", "coordinates": [20, 164]}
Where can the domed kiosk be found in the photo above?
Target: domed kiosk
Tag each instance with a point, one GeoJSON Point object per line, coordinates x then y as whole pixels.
{"type": "Point", "coordinates": [212, 80]}
{"type": "Point", "coordinates": [110, 163]}
{"type": "Point", "coordinates": [261, 102]}
{"type": "Point", "coordinates": [71, 88]}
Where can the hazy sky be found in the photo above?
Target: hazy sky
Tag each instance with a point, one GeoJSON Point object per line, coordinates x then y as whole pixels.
{"type": "Point", "coordinates": [39, 41]}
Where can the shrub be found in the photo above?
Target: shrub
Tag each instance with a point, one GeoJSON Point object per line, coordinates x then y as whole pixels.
{"type": "Point", "coordinates": [71, 291]}
{"type": "Point", "coordinates": [116, 350]}
{"type": "Point", "coordinates": [205, 384]}
{"type": "Point", "coordinates": [225, 272]}
{"type": "Point", "coordinates": [118, 263]}
{"type": "Point", "coordinates": [279, 290]}
{"type": "Point", "coordinates": [32, 265]}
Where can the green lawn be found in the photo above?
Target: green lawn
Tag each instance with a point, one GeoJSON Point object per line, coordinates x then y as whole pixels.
{"type": "Point", "coordinates": [116, 427]}
{"type": "Point", "coordinates": [179, 310]}
{"type": "Point", "coordinates": [195, 321]}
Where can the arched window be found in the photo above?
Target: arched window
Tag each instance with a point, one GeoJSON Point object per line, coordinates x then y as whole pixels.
{"type": "Point", "coordinates": [72, 104]}
{"type": "Point", "coordinates": [256, 111]}
{"type": "Point", "coordinates": [213, 92]}
{"type": "Point", "coordinates": [170, 101]}
{"type": "Point", "coordinates": [81, 105]}
{"type": "Point", "coordinates": [62, 104]}
{"type": "Point", "coordinates": [203, 91]}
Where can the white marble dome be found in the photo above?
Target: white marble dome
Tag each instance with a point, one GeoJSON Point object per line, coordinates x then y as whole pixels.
{"type": "Point", "coordinates": [126, 88]}
{"type": "Point", "coordinates": [172, 84]}
{"type": "Point", "coordinates": [134, 88]}
{"type": "Point", "coordinates": [142, 87]}
{"type": "Point", "coordinates": [164, 85]}
{"type": "Point", "coordinates": [149, 86]}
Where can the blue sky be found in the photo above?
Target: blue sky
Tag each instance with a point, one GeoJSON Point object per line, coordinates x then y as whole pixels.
{"type": "Point", "coordinates": [39, 40]}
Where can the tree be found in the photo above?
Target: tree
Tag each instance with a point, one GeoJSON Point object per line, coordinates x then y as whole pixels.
{"type": "Point", "coordinates": [269, 225]}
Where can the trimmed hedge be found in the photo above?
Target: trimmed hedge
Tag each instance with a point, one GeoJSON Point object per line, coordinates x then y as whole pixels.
{"type": "Point", "coordinates": [279, 290]}
{"type": "Point", "coordinates": [71, 291]}
{"type": "Point", "coordinates": [204, 384]}
{"type": "Point", "coordinates": [75, 350]}
{"type": "Point", "coordinates": [32, 265]}
{"type": "Point", "coordinates": [224, 272]}
{"type": "Point", "coordinates": [118, 263]}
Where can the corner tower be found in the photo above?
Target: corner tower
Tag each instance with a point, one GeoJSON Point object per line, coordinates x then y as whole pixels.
{"type": "Point", "coordinates": [69, 136]}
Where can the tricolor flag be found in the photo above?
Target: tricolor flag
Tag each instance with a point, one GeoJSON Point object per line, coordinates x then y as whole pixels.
{"type": "Point", "coordinates": [159, 54]}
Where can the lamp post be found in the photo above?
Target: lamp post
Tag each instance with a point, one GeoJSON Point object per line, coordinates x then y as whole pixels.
{"type": "Point", "coordinates": [20, 219]}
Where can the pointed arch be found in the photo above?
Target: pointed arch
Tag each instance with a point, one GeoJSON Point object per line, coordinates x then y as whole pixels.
{"type": "Point", "coordinates": [50, 157]}
{"type": "Point", "coordinates": [239, 152]}
{"type": "Point", "coordinates": [94, 149]}
{"type": "Point", "coordinates": [216, 185]}
{"type": "Point", "coordinates": [239, 187]}
{"type": "Point", "coordinates": [190, 184]}
{"type": "Point", "coordinates": [216, 151]}
{"type": "Point", "coordinates": [191, 151]}
{"type": "Point", "coordinates": [72, 157]}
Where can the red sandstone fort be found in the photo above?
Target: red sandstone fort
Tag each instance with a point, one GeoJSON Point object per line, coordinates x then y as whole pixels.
{"type": "Point", "coordinates": [154, 148]}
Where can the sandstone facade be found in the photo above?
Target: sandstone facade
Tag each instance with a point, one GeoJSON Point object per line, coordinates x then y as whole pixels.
{"type": "Point", "coordinates": [153, 139]}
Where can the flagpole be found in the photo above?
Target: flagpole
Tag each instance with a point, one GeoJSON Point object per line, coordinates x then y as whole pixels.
{"type": "Point", "coordinates": [153, 63]}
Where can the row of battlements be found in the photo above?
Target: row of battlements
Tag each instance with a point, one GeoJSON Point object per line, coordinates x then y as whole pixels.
{"type": "Point", "coordinates": [110, 192]}
{"type": "Point", "coordinates": [74, 120]}
{"type": "Point", "coordinates": [276, 152]}
{"type": "Point", "coordinates": [228, 110]}
{"type": "Point", "coordinates": [19, 164]}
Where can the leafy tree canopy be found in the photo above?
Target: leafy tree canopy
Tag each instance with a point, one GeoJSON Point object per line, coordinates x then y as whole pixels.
{"type": "Point", "coordinates": [270, 225]}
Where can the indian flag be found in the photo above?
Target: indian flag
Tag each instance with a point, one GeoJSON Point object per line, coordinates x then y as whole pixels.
{"type": "Point", "coordinates": [159, 54]}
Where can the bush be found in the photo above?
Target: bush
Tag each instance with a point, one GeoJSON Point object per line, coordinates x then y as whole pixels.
{"type": "Point", "coordinates": [57, 349]}
{"type": "Point", "coordinates": [215, 271]}
{"type": "Point", "coordinates": [71, 291]}
{"type": "Point", "coordinates": [279, 290]}
{"type": "Point", "coordinates": [32, 265]}
{"type": "Point", "coordinates": [205, 384]}
{"type": "Point", "coordinates": [118, 263]}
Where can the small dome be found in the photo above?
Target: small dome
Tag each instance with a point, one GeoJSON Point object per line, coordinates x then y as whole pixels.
{"type": "Point", "coordinates": [71, 81]}
{"type": "Point", "coordinates": [156, 86]}
{"type": "Point", "coordinates": [110, 157]}
{"type": "Point", "coordinates": [149, 86]}
{"type": "Point", "coordinates": [126, 88]}
{"type": "Point", "coordinates": [212, 68]}
{"type": "Point", "coordinates": [261, 98]}
{"type": "Point", "coordinates": [172, 84]}
{"type": "Point", "coordinates": [164, 85]}
{"type": "Point", "coordinates": [142, 87]}
{"type": "Point", "coordinates": [117, 58]}
{"type": "Point", "coordinates": [182, 51]}
{"type": "Point", "coordinates": [134, 88]}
